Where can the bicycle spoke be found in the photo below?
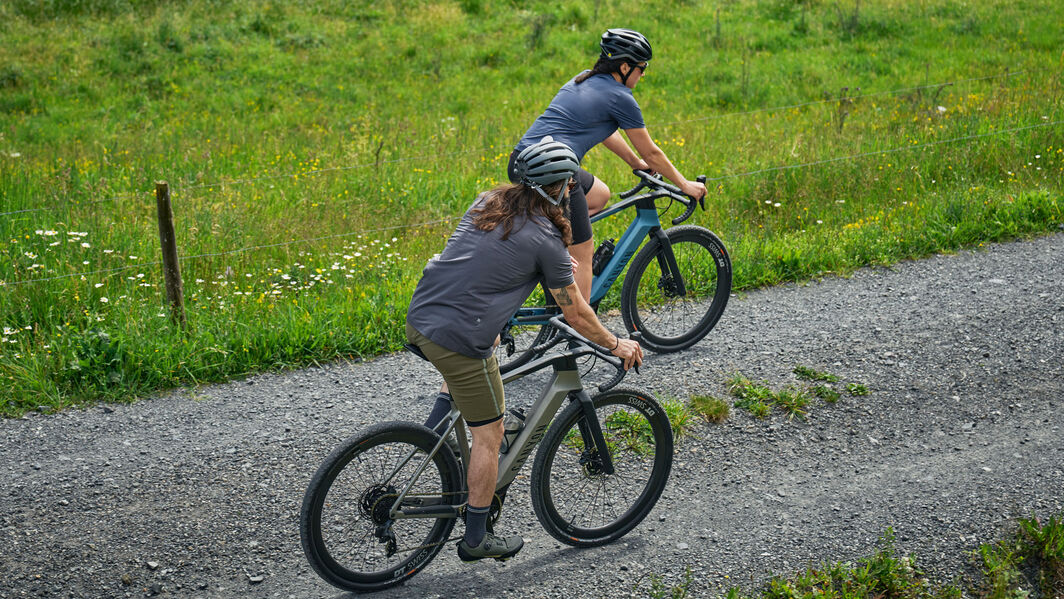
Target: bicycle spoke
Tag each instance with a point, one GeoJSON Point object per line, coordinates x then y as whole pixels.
{"type": "Point", "coordinates": [589, 499]}
{"type": "Point", "coordinates": [579, 492]}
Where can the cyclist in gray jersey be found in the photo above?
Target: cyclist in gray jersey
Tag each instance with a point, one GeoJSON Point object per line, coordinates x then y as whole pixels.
{"type": "Point", "coordinates": [591, 109]}
{"type": "Point", "coordinates": [511, 239]}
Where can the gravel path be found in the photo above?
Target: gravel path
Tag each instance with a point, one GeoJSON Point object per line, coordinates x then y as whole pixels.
{"type": "Point", "coordinates": [196, 493]}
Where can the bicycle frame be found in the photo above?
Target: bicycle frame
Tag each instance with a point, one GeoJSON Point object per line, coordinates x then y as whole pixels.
{"type": "Point", "coordinates": [564, 383]}
{"type": "Point", "coordinates": [646, 223]}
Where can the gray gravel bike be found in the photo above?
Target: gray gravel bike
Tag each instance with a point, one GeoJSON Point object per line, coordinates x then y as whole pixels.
{"type": "Point", "coordinates": [383, 503]}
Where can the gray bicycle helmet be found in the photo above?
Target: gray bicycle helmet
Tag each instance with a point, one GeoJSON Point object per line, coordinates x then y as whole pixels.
{"type": "Point", "coordinates": [625, 43]}
{"type": "Point", "coordinates": [546, 163]}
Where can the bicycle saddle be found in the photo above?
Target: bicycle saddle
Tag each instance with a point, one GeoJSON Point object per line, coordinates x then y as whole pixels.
{"type": "Point", "coordinates": [416, 351]}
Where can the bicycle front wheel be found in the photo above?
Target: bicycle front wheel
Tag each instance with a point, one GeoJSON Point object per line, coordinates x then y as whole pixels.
{"type": "Point", "coordinates": [517, 341]}
{"type": "Point", "coordinates": [651, 298]}
{"type": "Point", "coordinates": [573, 498]}
{"type": "Point", "coordinates": [516, 349]}
{"type": "Point", "coordinates": [348, 536]}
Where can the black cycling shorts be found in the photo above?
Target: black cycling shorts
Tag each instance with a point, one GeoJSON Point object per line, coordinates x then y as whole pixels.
{"type": "Point", "coordinates": [578, 215]}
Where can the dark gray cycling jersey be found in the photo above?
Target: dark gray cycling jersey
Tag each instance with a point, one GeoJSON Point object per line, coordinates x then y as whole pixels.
{"type": "Point", "coordinates": [468, 292]}
{"type": "Point", "coordinates": [582, 115]}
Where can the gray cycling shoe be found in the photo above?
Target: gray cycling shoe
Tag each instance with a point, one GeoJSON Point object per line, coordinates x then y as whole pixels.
{"type": "Point", "coordinates": [498, 548]}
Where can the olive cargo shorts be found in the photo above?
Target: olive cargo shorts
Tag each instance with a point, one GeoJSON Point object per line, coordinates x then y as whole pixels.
{"type": "Point", "coordinates": [474, 384]}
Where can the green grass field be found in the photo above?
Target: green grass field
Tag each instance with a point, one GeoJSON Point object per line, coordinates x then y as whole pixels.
{"type": "Point", "coordinates": [318, 153]}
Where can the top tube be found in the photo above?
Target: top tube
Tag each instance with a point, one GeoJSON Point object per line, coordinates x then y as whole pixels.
{"type": "Point", "coordinates": [578, 346]}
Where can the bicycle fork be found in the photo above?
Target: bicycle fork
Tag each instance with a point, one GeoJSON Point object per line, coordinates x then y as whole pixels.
{"type": "Point", "coordinates": [671, 279]}
{"type": "Point", "coordinates": [591, 429]}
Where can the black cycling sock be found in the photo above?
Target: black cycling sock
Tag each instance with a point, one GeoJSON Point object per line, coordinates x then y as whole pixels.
{"type": "Point", "coordinates": [440, 409]}
{"type": "Point", "coordinates": [476, 524]}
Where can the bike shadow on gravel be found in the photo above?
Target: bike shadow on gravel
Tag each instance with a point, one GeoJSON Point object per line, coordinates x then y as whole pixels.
{"type": "Point", "coordinates": [515, 577]}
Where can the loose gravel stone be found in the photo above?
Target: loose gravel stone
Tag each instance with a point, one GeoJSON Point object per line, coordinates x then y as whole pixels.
{"type": "Point", "coordinates": [196, 493]}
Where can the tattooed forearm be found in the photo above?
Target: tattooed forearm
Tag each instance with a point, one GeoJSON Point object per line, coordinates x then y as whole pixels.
{"type": "Point", "coordinates": [562, 297]}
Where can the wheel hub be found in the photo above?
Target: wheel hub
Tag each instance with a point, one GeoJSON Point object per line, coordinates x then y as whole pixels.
{"type": "Point", "coordinates": [372, 505]}
{"type": "Point", "coordinates": [668, 286]}
{"type": "Point", "coordinates": [591, 463]}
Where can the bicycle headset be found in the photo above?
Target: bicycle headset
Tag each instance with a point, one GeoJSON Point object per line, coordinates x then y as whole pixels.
{"type": "Point", "coordinates": [546, 163]}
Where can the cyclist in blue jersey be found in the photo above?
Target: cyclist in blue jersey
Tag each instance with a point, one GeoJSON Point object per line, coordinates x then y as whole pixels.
{"type": "Point", "coordinates": [591, 109]}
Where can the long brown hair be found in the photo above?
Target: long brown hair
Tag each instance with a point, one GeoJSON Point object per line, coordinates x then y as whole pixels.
{"type": "Point", "coordinates": [508, 201]}
{"type": "Point", "coordinates": [603, 66]}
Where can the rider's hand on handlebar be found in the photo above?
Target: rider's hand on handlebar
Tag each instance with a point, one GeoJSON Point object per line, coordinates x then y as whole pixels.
{"type": "Point", "coordinates": [694, 189]}
{"type": "Point", "coordinates": [630, 351]}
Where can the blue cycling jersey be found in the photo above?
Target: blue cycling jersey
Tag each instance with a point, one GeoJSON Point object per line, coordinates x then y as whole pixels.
{"type": "Point", "coordinates": [582, 115]}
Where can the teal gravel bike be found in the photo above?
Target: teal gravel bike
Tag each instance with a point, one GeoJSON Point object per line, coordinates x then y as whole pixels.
{"type": "Point", "coordinates": [673, 293]}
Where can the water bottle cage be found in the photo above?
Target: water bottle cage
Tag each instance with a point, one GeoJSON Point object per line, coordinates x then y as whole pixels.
{"type": "Point", "coordinates": [513, 422]}
{"type": "Point", "coordinates": [602, 257]}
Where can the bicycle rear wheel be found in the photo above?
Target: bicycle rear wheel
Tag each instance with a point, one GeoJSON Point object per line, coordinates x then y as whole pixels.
{"type": "Point", "coordinates": [650, 298]}
{"type": "Point", "coordinates": [578, 503]}
{"type": "Point", "coordinates": [347, 534]}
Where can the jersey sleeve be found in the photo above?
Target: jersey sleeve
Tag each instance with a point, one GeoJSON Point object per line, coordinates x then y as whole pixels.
{"type": "Point", "coordinates": [625, 110]}
{"type": "Point", "coordinates": [554, 263]}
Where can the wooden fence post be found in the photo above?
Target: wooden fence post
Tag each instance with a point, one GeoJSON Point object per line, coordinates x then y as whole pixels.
{"type": "Point", "coordinates": [175, 293]}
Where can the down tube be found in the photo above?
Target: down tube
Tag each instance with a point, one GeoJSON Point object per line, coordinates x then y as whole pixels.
{"type": "Point", "coordinates": [645, 220]}
{"type": "Point", "coordinates": [536, 424]}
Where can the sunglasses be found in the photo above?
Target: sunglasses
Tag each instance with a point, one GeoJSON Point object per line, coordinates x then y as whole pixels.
{"type": "Point", "coordinates": [642, 67]}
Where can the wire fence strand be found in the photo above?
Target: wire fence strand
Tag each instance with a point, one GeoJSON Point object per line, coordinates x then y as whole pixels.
{"type": "Point", "coordinates": [243, 181]}
{"type": "Point", "coordinates": [881, 152]}
{"type": "Point", "coordinates": [443, 220]}
{"type": "Point", "coordinates": [228, 252]}
{"type": "Point", "coordinates": [843, 98]}
{"type": "Point", "coordinates": [124, 196]}
{"type": "Point", "coordinates": [180, 189]}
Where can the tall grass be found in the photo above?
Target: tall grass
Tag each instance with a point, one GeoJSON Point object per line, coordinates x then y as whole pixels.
{"type": "Point", "coordinates": [319, 151]}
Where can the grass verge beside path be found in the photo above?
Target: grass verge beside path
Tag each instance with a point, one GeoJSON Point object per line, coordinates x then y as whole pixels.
{"type": "Point", "coordinates": [319, 152]}
{"type": "Point", "coordinates": [1028, 564]}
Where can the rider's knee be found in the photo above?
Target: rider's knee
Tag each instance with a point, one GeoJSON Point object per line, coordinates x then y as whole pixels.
{"type": "Point", "coordinates": [488, 433]}
{"type": "Point", "coordinates": [598, 196]}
